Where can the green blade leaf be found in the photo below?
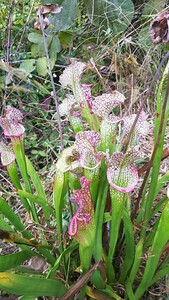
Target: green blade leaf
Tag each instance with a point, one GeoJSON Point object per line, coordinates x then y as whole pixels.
{"type": "Point", "coordinates": [6, 210]}
{"type": "Point", "coordinates": [68, 250]}
{"type": "Point", "coordinates": [59, 193]}
{"type": "Point", "coordinates": [31, 285]}
{"type": "Point", "coordinates": [130, 247]}
{"type": "Point", "coordinates": [39, 187]}
{"type": "Point", "coordinates": [4, 225]}
{"type": "Point", "coordinates": [118, 200]}
{"type": "Point", "coordinates": [160, 274]}
{"type": "Point", "coordinates": [157, 158]}
{"type": "Point", "coordinates": [13, 174]}
{"type": "Point", "coordinates": [11, 261]}
{"type": "Point", "coordinates": [137, 261]}
{"type": "Point", "coordinates": [160, 240]}
{"type": "Point", "coordinates": [35, 198]}
{"type": "Point", "coordinates": [14, 238]}
{"type": "Point", "coordinates": [18, 147]}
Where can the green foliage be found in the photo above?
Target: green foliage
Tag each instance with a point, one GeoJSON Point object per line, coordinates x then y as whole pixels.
{"type": "Point", "coordinates": [133, 255]}
{"type": "Point", "coordinates": [115, 15]}
{"type": "Point", "coordinates": [77, 158]}
{"type": "Point", "coordinates": [67, 17]}
{"type": "Point", "coordinates": [58, 23]}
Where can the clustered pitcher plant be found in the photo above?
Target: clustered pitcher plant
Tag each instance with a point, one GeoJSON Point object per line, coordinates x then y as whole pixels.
{"type": "Point", "coordinates": [99, 174]}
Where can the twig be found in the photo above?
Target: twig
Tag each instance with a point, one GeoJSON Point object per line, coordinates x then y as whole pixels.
{"type": "Point", "coordinates": [52, 80]}
{"type": "Point", "coordinates": [99, 75]}
{"type": "Point", "coordinates": [83, 281]}
{"type": "Point", "coordinates": [9, 26]}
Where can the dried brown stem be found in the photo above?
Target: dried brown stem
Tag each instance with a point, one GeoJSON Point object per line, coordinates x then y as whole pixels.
{"type": "Point", "coordinates": [83, 281]}
{"type": "Point", "coordinates": [93, 65]}
{"type": "Point", "coordinates": [148, 165]}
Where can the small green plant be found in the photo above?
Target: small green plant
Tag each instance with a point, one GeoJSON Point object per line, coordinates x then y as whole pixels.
{"type": "Point", "coordinates": [94, 184]}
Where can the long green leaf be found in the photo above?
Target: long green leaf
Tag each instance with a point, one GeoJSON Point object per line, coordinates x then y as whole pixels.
{"type": "Point", "coordinates": [129, 291]}
{"type": "Point", "coordinates": [6, 210]}
{"type": "Point", "coordinates": [37, 199]}
{"type": "Point", "coordinates": [18, 148]}
{"type": "Point", "coordinates": [10, 261]}
{"type": "Point", "coordinates": [99, 211]}
{"type": "Point", "coordinates": [59, 193]}
{"type": "Point", "coordinates": [160, 274]}
{"type": "Point", "coordinates": [27, 298]}
{"type": "Point", "coordinates": [118, 200]}
{"type": "Point", "coordinates": [68, 250]}
{"type": "Point", "coordinates": [38, 186]}
{"type": "Point", "coordinates": [151, 235]}
{"type": "Point", "coordinates": [31, 285]}
{"type": "Point", "coordinates": [14, 238]}
{"type": "Point", "coordinates": [130, 247]}
{"type": "Point", "coordinates": [137, 261]}
{"type": "Point", "coordinates": [158, 155]}
{"type": "Point", "coordinates": [161, 182]}
{"type": "Point", "coordinates": [13, 174]}
{"type": "Point", "coordinates": [109, 291]}
{"type": "Point", "coordinates": [160, 240]}
{"type": "Point", "coordinates": [4, 225]}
